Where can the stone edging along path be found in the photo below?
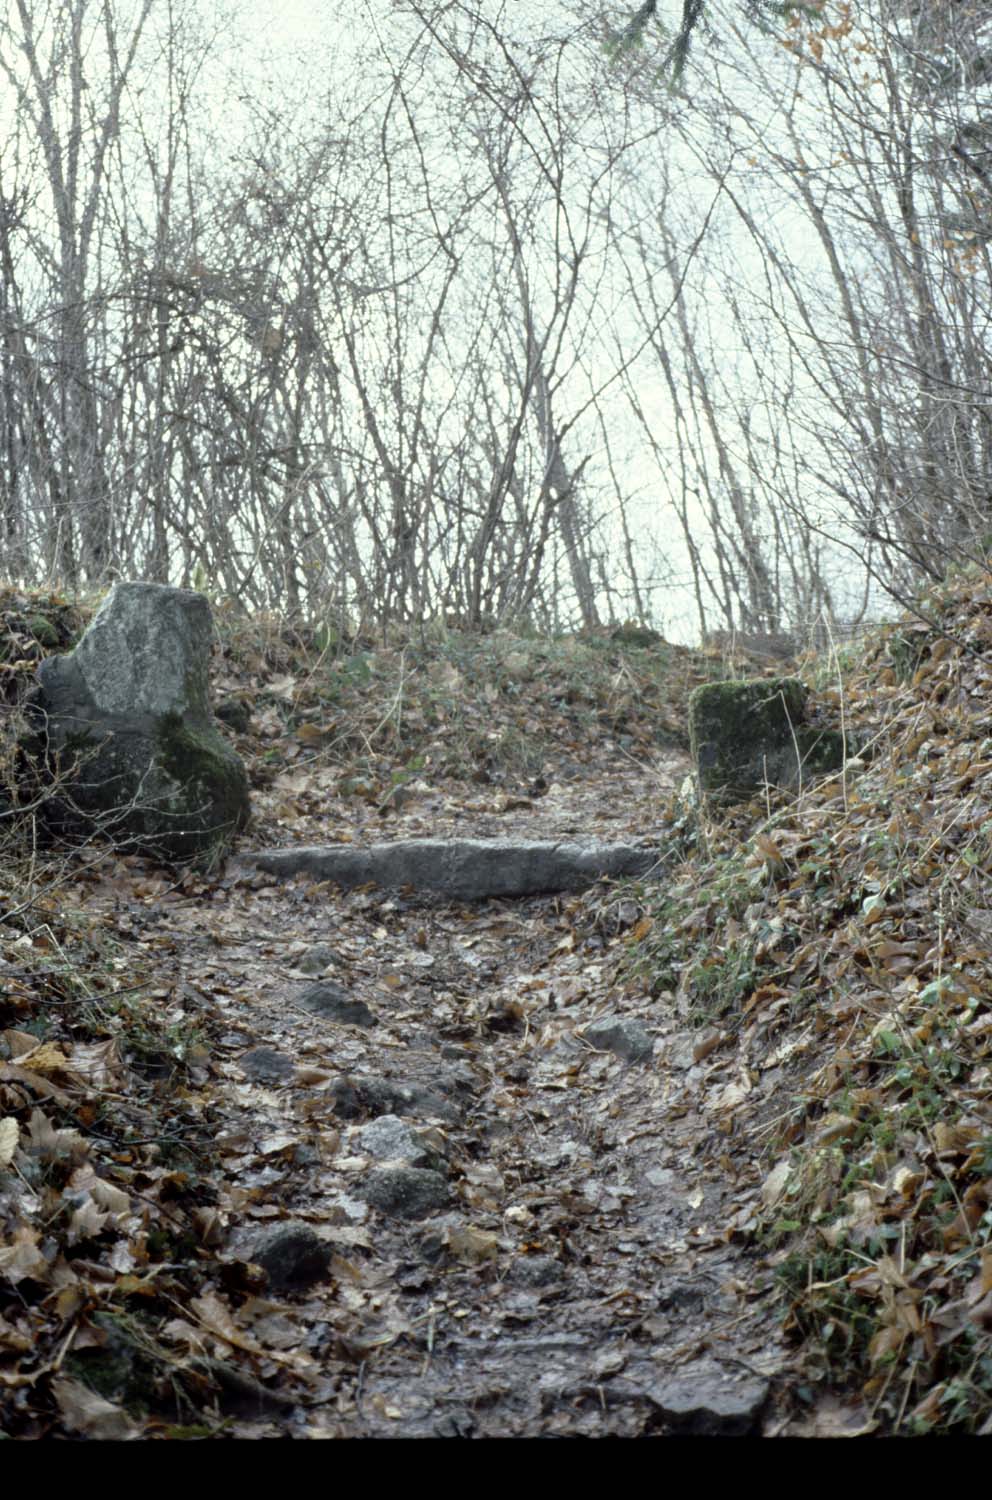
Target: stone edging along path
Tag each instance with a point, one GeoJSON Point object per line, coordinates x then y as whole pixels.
{"type": "Point", "coordinates": [472, 869]}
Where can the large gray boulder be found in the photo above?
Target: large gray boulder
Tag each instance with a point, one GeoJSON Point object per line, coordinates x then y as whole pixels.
{"type": "Point", "coordinates": [746, 735]}
{"type": "Point", "coordinates": [124, 724]}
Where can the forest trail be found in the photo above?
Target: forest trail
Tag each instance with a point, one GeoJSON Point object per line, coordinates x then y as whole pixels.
{"type": "Point", "coordinates": [579, 1274]}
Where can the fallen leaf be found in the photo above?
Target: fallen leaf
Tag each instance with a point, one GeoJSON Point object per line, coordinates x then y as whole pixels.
{"type": "Point", "coordinates": [22, 1260]}
{"type": "Point", "coordinates": [835, 1127]}
{"type": "Point", "coordinates": [10, 1133]}
{"type": "Point", "coordinates": [775, 1183]}
{"type": "Point", "coordinates": [707, 1043]}
{"type": "Point", "coordinates": [108, 1197]}
{"type": "Point", "coordinates": [45, 1058]}
{"type": "Point", "coordinates": [14, 1073]}
{"type": "Point", "coordinates": [18, 1042]}
{"type": "Point", "coordinates": [51, 1143]}
{"type": "Point", "coordinates": [86, 1223]}
{"type": "Point", "coordinates": [97, 1062]}
{"type": "Point", "coordinates": [85, 1412]}
{"type": "Point", "coordinates": [729, 1097]}
{"type": "Point", "coordinates": [474, 1246]}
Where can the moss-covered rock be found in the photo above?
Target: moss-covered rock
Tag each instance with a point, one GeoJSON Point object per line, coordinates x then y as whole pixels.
{"type": "Point", "coordinates": [744, 735]}
{"type": "Point", "coordinates": [124, 736]}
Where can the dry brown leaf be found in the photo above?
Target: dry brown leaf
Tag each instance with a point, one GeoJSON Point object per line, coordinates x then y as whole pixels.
{"type": "Point", "coordinates": [905, 1180]}
{"type": "Point", "coordinates": [707, 1043]}
{"type": "Point", "coordinates": [835, 1127]}
{"type": "Point", "coordinates": [123, 1259]}
{"type": "Point", "coordinates": [18, 1042]}
{"type": "Point", "coordinates": [728, 1097]}
{"type": "Point", "coordinates": [775, 1183]}
{"type": "Point", "coordinates": [179, 1331]}
{"type": "Point", "coordinates": [50, 1143]}
{"type": "Point", "coordinates": [14, 1073]}
{"type": "Point", "coordinates": [110, 1197]}
{"type": "Point", "coordinates": [10, 1133]}
{"type": "Point", "coordinates": [85, 1412]}
{"type": "Point", "coordinates": [284, 687]}
{"type": "Point", "coordinates": [216, 1317]}
{"type": "Point", "coordinates": [98, 1063]}
{"type": "Point", "coordinates": [209, 1225]}
{"type": "Point", "coordinates": [86, 1223]}
{"type": "Point", "coordinates": [22, 1260]}
{"type": "Point", "coordinates": [311, 1076]}
{"type": "Point", "coordinates": [886, 1342]}
{"type": "Point", "coordinates": [769, 848]}
{"type": "Point", "coordinates": [45, 1058]}
{"type": "Point", "coordinates": [277, 1143]}
{"type": "Point", "coordinates": [13, 1339]}
{"type": "Point", "coordinates": [474, 1246]}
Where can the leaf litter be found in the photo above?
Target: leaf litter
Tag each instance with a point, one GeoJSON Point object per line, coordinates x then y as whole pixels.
{"type": "Point", "coordinates": [778, 1221]}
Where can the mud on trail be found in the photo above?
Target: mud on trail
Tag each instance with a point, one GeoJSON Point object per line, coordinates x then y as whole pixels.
{"type": "Point", "coordinates": [523, 1231]}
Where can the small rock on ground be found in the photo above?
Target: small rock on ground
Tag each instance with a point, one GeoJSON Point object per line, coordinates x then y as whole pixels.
{"type": "Point", "coordinates": [383, 1096]}
{"type": "Point", "coordinates": [265, 1064]}
{"type": "Point", "coordinates": [622, 1036]}
{"type": "Point", "coordinates": [405, 1192]}
{"type": "Point", "coordinates": [390, 1139]}
{"type": "Point", "coordinates": [235, 713]}
{"type": "Point", "coordinates": [332, 1003]}
{"type": "Point", "coordinates": [317, 958]}
{"type": "Point", "coordinates": [707, 1399]}
{"type": "Point", "coordinates": [536, 1270]}
{"type": "Point", "coordinates": [293, 1255]}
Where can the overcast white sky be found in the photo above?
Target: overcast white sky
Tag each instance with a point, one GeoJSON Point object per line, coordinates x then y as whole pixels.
{"type": "Point", "coordinates": [292, 51]}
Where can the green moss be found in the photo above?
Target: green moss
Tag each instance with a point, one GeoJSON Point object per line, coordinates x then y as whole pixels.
{"type": "Point", "coordinates": [746, 734]}
{"type": "Point", "coordinates": [44, 632]}
{"type": "Point", "coordinates": [212, 789]}
{"type": "Point", "coordinates": [742, 735]}
{"type": "Point", "coordinates": [822, 750]}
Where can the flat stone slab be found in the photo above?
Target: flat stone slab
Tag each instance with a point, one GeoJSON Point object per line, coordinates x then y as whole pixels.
{"type": "Point", "coordinates": [468, 868]}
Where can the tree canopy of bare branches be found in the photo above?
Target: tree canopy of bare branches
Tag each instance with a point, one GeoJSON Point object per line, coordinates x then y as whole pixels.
{"type": "Point", "coordinates": [494, 321]}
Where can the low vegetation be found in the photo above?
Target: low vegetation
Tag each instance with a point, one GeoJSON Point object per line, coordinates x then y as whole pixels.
{"type": "Point", "coordinates": [842, 939]}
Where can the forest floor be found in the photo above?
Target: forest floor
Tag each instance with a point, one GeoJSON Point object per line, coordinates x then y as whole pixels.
{"type": "Point", "coordinates": [284, 1160]}
{"type": "Point", "coordinates": [573, 1272]}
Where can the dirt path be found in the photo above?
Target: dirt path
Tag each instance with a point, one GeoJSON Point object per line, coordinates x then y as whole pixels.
{"type": "Point", "coordinates": [580, 1273]}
